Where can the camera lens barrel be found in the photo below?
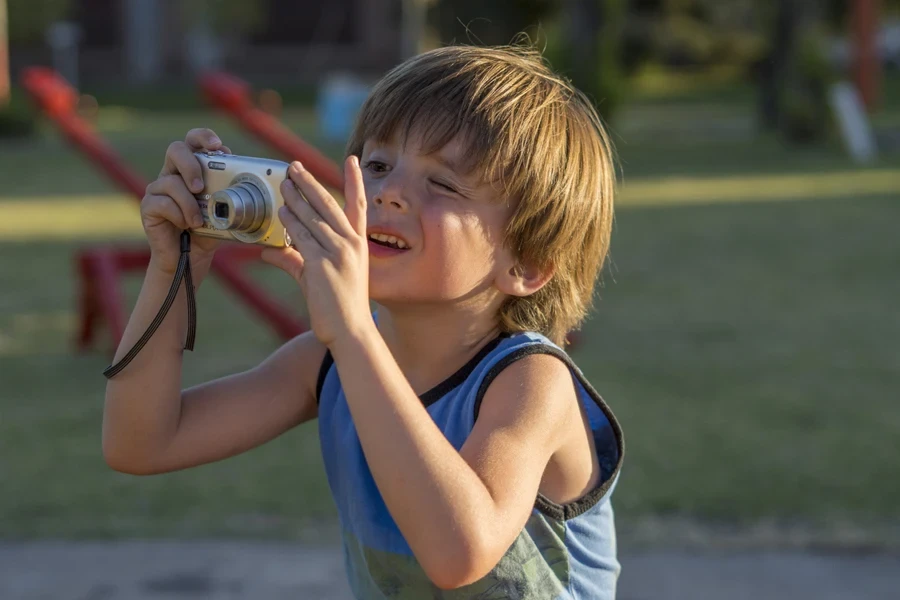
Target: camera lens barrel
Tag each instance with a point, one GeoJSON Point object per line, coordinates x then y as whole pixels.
{"type": "Point", "coordinates": [246, 208]}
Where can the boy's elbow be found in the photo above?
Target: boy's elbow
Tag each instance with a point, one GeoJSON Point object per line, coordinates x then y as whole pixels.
{"type": "Point", "coordinates": [450, 569]}
{"type": "Point", "coordinates": [119, 462]}
{"type": "Point", "coordinates": [128, 463]}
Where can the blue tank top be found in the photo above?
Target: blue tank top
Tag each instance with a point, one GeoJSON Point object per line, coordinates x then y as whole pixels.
{"type": "Point", "coordinates": [564, 552]}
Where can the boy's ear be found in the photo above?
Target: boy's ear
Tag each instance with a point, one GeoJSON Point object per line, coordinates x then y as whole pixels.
{"type": "Point", "coordinates": [524, 279]}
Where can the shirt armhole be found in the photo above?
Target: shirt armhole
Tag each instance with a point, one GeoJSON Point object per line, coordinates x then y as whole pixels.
{"type": "Point", "coordinates": [563, 512]}
{"type": "Point", "coordinates": [327, 361]}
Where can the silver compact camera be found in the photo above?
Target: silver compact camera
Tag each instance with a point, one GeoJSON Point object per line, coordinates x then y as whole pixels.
{"type": "Point", "coordinates": [241, 197]}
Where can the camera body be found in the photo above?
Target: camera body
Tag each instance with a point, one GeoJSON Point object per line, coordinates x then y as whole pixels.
{"type": "Point", "coordinates": [240, 199]}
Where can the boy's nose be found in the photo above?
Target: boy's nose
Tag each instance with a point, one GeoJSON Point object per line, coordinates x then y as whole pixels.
{"type": "Point", "coordinates": [391, 195]}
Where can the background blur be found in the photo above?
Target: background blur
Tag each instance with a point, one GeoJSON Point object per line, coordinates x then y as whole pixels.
{"type": "Point", "coordinates": [746, 334]}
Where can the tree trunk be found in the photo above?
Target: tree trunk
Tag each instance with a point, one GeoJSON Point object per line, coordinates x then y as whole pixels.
{"type": "Point", "coordinates": [774, 67]}
{"type": "Point", "coordinates": [584, 18]}
{"type": "Point", "coordinates": [4, 57]}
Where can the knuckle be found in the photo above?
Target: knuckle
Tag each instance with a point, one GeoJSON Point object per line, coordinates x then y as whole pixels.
{"type": "Point", "coordinates": [174, 148]}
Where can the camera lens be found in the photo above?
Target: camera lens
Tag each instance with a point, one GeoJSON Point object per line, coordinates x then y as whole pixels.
{"type": "Point", "coordinates": [240, 208]}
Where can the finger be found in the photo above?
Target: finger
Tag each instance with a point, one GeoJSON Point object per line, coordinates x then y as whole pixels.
{"type": "Point", "coordinates": [180, 160]}
{"type": "Point", "coordinates": [225, 149]}
{"type": "Point", "coordinates": [301, 237]}
{"type": "Point", "coordinates": [202, 139]}
{"type": "Point", "coordinates": [319, 198]}
{"type": "Point", "coordinates": [173, 186]}
{"type": "Point", "coordinates": [160, 206]}
{"type": "Point", "coordinates": [355, 195]}
{"type": "Point", "coordinates": [287, 259]}
{"type": "Point", "coordinates": [314, 222]}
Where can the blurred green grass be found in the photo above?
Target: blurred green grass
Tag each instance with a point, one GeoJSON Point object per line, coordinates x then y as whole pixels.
{"type": "Point", "coordinates": [748, 347]}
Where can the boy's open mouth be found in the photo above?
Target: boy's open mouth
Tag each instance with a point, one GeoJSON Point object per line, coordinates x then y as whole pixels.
{"type": "Point", "coordinates": [388, 241]}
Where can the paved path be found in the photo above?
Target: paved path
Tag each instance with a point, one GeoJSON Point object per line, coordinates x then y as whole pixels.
{"type": "Point", "coordinates": [275, 571]}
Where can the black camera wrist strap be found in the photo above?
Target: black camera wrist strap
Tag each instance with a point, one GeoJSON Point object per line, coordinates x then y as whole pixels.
{"type": "Point", "coordinates": [182, 272]}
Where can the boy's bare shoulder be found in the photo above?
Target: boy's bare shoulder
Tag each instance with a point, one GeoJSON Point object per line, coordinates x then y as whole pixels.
{"type": "Point", "coordinates": [536, 388]}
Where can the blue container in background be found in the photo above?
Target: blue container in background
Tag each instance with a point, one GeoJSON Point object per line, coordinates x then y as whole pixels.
{"type": "Point", "coordinates": [340, 98]}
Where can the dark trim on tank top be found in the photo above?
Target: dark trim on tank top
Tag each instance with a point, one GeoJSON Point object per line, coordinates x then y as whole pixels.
{"type": "Point", "coordinates": [561, 512]}
{"type": "Point", "coordinates": [438, 391]}
{"type": "Point", "coordinates": [327, 361]}
{"type": "Point", "coordinates": [455, 380]}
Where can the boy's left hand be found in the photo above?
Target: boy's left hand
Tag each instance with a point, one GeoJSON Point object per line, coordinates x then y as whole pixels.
{"type": "Point", "coordinates": [330, 253]}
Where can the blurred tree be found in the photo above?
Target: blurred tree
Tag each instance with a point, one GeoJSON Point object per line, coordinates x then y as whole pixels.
{"type": "Point", "coordinates": [4, 57]}
{"type": "Point", "coordinates": [691, 33]}
{"type": "Point", "coordinates": [226, 16]}
{"type": "Point", "coordinates": [16, 119]}
{"type": "Point", "coordinates": [28, 19]}
{"type": "Point", "coordinates": [589, 50]}
{"type": "Point", "coordinates": [491, 23]}
{"type": "Point", "coordinates": [794, 75]}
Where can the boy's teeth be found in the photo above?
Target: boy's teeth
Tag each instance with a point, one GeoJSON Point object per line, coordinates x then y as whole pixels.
{"type": "Point", "coordinates": [389, 239]}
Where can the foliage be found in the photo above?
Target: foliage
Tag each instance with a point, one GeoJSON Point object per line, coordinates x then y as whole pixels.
{"type": "Point", "coordinates": [805, 111]}
{"type": "Point", "coordinates": [693, 33]}
{"type": "Point", "coordinates": [599, 75]}
{"type": "Point", "coordinates": [223, 16]}
{"type": "Point", "coordinates": [16, 119]}
{"type": "Point", "coordinates": [488, 23]}
{"type": "Point", "coordinates": [28, 19]}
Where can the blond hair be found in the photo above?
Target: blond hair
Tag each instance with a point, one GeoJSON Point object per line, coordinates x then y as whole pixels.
{"type": "Point", "coordinates": [534, 134]}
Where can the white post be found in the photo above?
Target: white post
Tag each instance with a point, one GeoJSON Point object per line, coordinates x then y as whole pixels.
{"type": "Point", "coordinates": [63, 38]}
{"type": "Point", "coordinates": [143, 31]}
{"type": "Point", "coordinates": [856, 131]}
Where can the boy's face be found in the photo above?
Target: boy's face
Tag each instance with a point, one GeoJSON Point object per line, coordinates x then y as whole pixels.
{"type": "Point", "coordinates": [448, 227]}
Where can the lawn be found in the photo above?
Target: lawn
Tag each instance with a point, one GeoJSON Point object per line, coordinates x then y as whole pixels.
{"type": "Point", "coordinates": [746, 336]}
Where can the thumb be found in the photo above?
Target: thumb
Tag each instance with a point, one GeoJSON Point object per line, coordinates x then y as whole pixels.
{"type": "Point", "coordinates": [286, 259]}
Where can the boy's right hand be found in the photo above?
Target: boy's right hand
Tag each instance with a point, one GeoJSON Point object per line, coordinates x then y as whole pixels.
{"type": "Point", "coordinates": [169, 205]}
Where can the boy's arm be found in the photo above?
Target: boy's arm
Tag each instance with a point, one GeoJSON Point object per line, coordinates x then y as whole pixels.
{"type": "Point", "coordinates": [459, 511]}
{"type": "Point", "coordinates": [151, 426]}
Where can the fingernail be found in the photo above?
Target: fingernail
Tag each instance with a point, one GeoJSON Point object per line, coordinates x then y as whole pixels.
{"type": "Point", "coordinates": [198, 221]}
{"type": "Point", "coordinates": [197, 185]}
{"type": "Point", "coordinates": [296, 166]}
{"type": "Point", "coordinates": [214, 140]}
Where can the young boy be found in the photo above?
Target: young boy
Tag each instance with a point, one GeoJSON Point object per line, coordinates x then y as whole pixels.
{"type": "Point", "coordinates": [467, 455]}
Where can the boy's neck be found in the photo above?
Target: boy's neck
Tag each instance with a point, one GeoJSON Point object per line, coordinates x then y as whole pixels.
{"type": "Point", "coordinates": [431, 345]}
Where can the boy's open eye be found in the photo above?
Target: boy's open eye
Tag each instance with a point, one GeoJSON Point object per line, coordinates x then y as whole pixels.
{"type": "Point", "coordinates": [374, 166]}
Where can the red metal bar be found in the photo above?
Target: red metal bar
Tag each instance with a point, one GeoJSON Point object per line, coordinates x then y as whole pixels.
{"type": "Point", "coordinates": [108, 295]}
{"type": "Point", "coordinates": [100, 268]}
{"type": "Point", "coordinates": [866, 67]}
{"type": "Point", "coordinates": [280, 320]}
{"type": "Point", "coordinates": [87, 301]}
{"type": "Point", "coordinates": [232, 95]}
{"type": "Point", "coordinates": [58, 100]}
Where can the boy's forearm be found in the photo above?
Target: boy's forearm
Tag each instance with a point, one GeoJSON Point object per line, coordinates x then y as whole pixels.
{"type": "Point", "coordinates": [143, 401]}
{"type": "Point", "coordinates": [431, 491]}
